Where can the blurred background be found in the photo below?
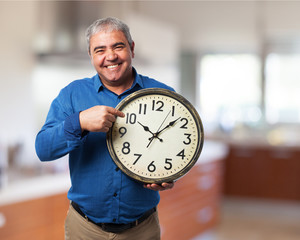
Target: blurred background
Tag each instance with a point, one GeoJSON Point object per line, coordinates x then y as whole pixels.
{"type": "Point", "coordinates": [237, 62]}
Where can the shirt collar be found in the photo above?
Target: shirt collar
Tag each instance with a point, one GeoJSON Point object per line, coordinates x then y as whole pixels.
{"type": "Point", "coordinates": [137, 81]}
{"type": "Point", "coordinates": [97, 83]}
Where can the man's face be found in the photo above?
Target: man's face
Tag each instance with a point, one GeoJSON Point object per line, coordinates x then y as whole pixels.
{"type": "Point", "coordinates": [111, 56]}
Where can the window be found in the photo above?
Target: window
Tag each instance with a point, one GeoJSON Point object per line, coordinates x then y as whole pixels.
{"type": "Point", "coordinates": [230, 89]}
{"type": "Point", "coordinates": [283, 88]}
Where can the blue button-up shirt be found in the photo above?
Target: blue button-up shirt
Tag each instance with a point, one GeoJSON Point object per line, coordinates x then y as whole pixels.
{"type": "Point", "coordinates": [103, 192]}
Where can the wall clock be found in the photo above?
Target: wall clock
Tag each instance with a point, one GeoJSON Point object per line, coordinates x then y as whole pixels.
{"type": "Point", "coordinates": [159, 139]}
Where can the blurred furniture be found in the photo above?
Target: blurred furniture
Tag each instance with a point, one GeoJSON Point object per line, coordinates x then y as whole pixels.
{"type": "Point", "coordinates": [36, 208]}
{"type": "Point", "coordinates": [192, 207]}
{"type": "Point", "coordinates": [263, 172]}
{"type": "Point", "coordinates": [37, 219]}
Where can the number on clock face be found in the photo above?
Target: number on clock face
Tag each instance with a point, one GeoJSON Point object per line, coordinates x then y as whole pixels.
{"type": "Point", "coordinates": [157, 138]}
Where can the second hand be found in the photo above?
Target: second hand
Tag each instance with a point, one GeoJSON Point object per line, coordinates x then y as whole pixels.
{"type": "Point", "coordinates": [151, 139]}
{"type": "Point", "coordinates": [163, 121]}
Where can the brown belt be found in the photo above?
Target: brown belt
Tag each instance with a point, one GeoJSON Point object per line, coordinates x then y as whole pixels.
{"type": "Point", "coordinates": [114, 227]}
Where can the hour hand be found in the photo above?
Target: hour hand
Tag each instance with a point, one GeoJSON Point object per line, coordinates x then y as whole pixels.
{"type": "Point", "coordinates": [154, 135]}
{"type": "Point", "coordinates": [146, 128]}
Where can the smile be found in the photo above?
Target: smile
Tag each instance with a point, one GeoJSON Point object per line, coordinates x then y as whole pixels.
{"type": "Point", "coordinates": [112, 66]}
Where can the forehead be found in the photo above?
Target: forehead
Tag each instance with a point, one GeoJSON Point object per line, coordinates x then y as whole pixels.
{"type": "Point", "coordinates": [107, 38]}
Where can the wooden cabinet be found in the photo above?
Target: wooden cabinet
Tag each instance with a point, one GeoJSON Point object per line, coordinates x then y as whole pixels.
{"type": "Point", "coordinates": [39, 219]}
{"type": "Point", "coordinates": [263, 172]}
{"type": "Point", "coordinates": [185, 211]}
{"type": "Point", "coordinates": [192, 207]}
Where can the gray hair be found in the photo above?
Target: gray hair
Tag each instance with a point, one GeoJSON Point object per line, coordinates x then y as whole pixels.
{"type": "Point", "coordinates": [108, 25]}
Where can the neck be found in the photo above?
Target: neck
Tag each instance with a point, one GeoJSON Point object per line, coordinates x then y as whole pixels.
{"type": "Point", "coordinates": [122, 85]}
{"type": "Point", "coordinates": [120, 88]}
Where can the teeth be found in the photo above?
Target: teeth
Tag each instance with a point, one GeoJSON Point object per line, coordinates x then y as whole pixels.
{"type": "Point", "coordinates": [112, 66]}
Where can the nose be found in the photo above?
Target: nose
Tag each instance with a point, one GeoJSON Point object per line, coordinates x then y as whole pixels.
{"type": "Point", "coordinates": [111, 55]}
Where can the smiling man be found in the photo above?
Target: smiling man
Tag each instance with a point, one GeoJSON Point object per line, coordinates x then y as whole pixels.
{"type": "Point", "coordinates": [111, 55]}
{"type": "Point", "coordinates": [104, 202]}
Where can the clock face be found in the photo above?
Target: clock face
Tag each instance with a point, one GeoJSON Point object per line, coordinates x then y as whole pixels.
{"type": "Point", "coordinates": [159, 139]}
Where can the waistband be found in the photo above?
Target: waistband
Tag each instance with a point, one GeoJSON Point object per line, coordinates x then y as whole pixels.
{"type": "Point", "coordinates": [114, 227]}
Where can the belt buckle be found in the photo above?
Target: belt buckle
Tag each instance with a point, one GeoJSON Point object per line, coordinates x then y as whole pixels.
{"type": "Point", "coordinates": [103, 226]}
{"type": "Point", "coordinates": [113, 228]}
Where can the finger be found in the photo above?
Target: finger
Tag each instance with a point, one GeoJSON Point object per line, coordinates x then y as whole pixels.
{"type": "Point", "coordinates": [111, 118]}
{"type": "Point", "coordinates": [154, 187]}
{"type": "Point", "coordinates": [108, 124]}
{"type": "Point", "coordinates": [115, 112]}
{"type": "Point", "coordinates": [157, 187]}
{"type": "Point", "coordinates": [167, 185]}
{"type": "Point", "coordinates": [105, 129]}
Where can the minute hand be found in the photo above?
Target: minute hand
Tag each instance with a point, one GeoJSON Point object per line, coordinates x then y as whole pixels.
{"type": "Point", "coordinates": [169, 125]}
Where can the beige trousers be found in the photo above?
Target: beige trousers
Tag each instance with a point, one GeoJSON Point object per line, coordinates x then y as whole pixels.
{"type": "Point", "coordinates": [78, 228]}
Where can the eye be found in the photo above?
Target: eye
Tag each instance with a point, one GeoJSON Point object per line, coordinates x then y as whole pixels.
{"type": "Point", "coordinates": [119, 47]}
{"type": "Point", "coordinates": [99, 51]}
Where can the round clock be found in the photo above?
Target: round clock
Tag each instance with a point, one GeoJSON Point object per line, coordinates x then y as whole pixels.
{"type": "Point", "coordinates": [159, 139]}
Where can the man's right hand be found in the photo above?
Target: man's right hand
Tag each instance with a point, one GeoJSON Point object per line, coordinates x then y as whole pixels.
{"type": "Point", "coordinates": [98, 118]}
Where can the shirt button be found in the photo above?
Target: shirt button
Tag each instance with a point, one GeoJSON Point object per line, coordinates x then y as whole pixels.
{"type": "Point", "coordinates": [117, 169]}
{"type": "Point", "coordinates": [115, 194]}
{"type": "Point", "coordinates": [114, 220]}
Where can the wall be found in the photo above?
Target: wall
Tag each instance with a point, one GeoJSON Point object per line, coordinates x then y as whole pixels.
{"type": "Point", "coordinates": [197, 27]}
{"type": "Point", "coordinates": [227, 25]}
{"type": "Point", "coordinates": [18, 24]}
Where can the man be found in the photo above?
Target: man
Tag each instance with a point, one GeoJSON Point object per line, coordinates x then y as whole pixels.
{"type": "Point", "coordinates": [105, 203]}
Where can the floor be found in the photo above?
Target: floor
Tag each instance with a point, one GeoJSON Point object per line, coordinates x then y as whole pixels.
{"type": "Point", "coordinates": [244, 219]}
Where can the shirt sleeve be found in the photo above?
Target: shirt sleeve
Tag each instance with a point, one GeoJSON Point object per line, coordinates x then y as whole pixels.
{"type": "Point", "coordinates": [72, 128]}
{"type": "Point", "coordinates": [61, 132]}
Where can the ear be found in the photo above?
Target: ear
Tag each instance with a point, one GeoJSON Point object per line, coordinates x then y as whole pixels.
{"type": "Point", "coordinates": [91, 58]}
{"type": "Point", "coordinates": [90, 52]}
{"type": "Point", "coordinates": [132, 49]}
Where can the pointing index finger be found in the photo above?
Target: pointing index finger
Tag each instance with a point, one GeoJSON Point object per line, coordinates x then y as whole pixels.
{"type": "Point", "coordinates": [116, 112]}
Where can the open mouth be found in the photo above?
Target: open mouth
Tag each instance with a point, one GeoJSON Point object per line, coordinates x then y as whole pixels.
{"type": "Point", "coordinates": [113, 66]}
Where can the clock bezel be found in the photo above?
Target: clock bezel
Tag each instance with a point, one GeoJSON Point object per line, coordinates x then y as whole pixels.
{"type": "Point", "coordinates": [196, 117]}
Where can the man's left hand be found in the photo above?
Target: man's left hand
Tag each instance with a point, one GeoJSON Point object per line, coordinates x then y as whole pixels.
{"type": "Point", "coordinates": [159, 187]}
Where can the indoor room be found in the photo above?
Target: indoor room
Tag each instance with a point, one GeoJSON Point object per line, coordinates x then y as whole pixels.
{"type": "Point", "coordinates": [236, 62]}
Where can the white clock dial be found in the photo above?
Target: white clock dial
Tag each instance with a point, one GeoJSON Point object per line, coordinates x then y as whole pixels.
{"type": "Point", "coordinates": [160, 137]}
